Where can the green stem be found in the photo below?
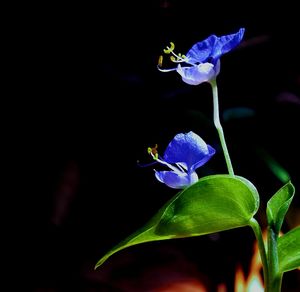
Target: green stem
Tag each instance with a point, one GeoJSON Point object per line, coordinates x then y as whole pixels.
{"type": "Point", "coordinates": [218, 125]}
{"type": "Point", "coordinates": [262, 251]}
{"type": "Point", "coordinates": [275, 278]}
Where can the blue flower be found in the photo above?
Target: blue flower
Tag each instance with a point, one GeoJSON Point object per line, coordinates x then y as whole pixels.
{"type": "Point", "coordinates": [203, 59]}
{"type": "Point", "coordinates": [184, 154]}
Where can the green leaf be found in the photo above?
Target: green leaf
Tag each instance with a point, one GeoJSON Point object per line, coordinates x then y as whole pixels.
{"type": "Point", "coordinates": [289, 250]}
{"type": "Point", "coordinates": [278, 205]}
{"type": "Point", "coordinates": [215, 203]}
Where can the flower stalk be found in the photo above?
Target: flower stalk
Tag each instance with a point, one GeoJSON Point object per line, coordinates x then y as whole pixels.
{"type": "Point", "coordinates": [218, 125]}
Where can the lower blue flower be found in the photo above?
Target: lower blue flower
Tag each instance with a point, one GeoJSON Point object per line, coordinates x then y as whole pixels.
{"type": "Point", "coordinates": [184, 154]}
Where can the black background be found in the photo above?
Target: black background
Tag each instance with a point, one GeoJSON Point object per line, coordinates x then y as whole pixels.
{"type": "Point", "coordinates": [86, 100]}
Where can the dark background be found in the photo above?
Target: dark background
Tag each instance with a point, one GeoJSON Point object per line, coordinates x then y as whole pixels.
{"type": "Point", "coordinates": [87, 100]}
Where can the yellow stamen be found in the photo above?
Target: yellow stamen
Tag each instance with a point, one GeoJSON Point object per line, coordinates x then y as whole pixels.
{"type": "Point", "coordinates": [153, 151]}
{"type": "Point", "coordinates": [160, 61]}
{"type": "Point", "coordinates": [168, 50]}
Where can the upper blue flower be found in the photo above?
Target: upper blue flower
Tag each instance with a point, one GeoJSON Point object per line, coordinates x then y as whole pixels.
{"type": "Point", "coordinates": [203, 59]}
{"type": "Point", "coordinates": [184, 154]}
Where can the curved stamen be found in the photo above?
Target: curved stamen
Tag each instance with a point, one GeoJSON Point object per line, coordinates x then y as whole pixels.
{"type": "Point", "coordinates": [179, 57]}
{"type": "Point", "coordinates": [174, 69]}
{"type": "Point", "coordinates": [168, 50]}
{"type": "Point", "coordinates": [181, 167]}
{"type": "Point", "coordinates": [153, 152]}
{"type": "Point", "coordinates": [166, 70]}
{"type": "Point", "coordinates": [175, 169]}
{"type": "Point", "coordinates": [175, 58]}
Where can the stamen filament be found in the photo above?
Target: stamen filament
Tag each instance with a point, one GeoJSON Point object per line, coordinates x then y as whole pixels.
{"type": "Point", "coordinates": [179, 58]}
{"type": "Point", "coordinates": [166, 70]}
{"type": "Point", "coordinates": [180, 167]}
{"type": "Point", "coordinates": [166, 163]}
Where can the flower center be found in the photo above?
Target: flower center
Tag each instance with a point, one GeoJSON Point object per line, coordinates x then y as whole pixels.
{"type": "Point", "coordinates": [175, 58]}
{"type": "Point", "coordinates": [154, 153]}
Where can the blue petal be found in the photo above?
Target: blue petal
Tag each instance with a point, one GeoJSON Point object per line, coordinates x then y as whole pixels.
{"type": "Point", "coordinates": [201, 51]}
{"type": "Point", "coordinates": [176, 180]}
{"type": "Point", "coordinates": [212, 48]}
{"type": "Point", "coordinates": [211, 152]}
{"type": "Point", "coordinates": [188, 149]}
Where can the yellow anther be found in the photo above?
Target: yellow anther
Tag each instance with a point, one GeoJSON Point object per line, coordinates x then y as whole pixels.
{"type": "Point", "coordinates": [172, 58]}
{"type": "Point", "coordinates": [160, 61]}
{"type": "Point", "coordinates": [168, 50]}
{"type": "Point", "coordinates": [153, 151]}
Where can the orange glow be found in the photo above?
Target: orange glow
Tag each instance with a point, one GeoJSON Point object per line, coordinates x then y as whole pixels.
{"type": "Point", "coordinates": [240, 281]}
{"type": "Point", "coordinates": [222, 288]}
{"type": "Point", "coordinates": [184, 286]}
{"type": "Point", "coordinates": [254, 282]}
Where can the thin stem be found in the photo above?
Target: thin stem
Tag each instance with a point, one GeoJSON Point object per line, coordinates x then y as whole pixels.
{"type": "Point", "coordinates": [275, 277]}
{"type": "Point", "coordinates": [218, 125]}
{"type": "Point", "coordinates": [262, 251]}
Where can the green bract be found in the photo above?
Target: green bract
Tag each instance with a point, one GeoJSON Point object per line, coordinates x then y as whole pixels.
{"type": "Point", "coordinates": [278, 205]}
